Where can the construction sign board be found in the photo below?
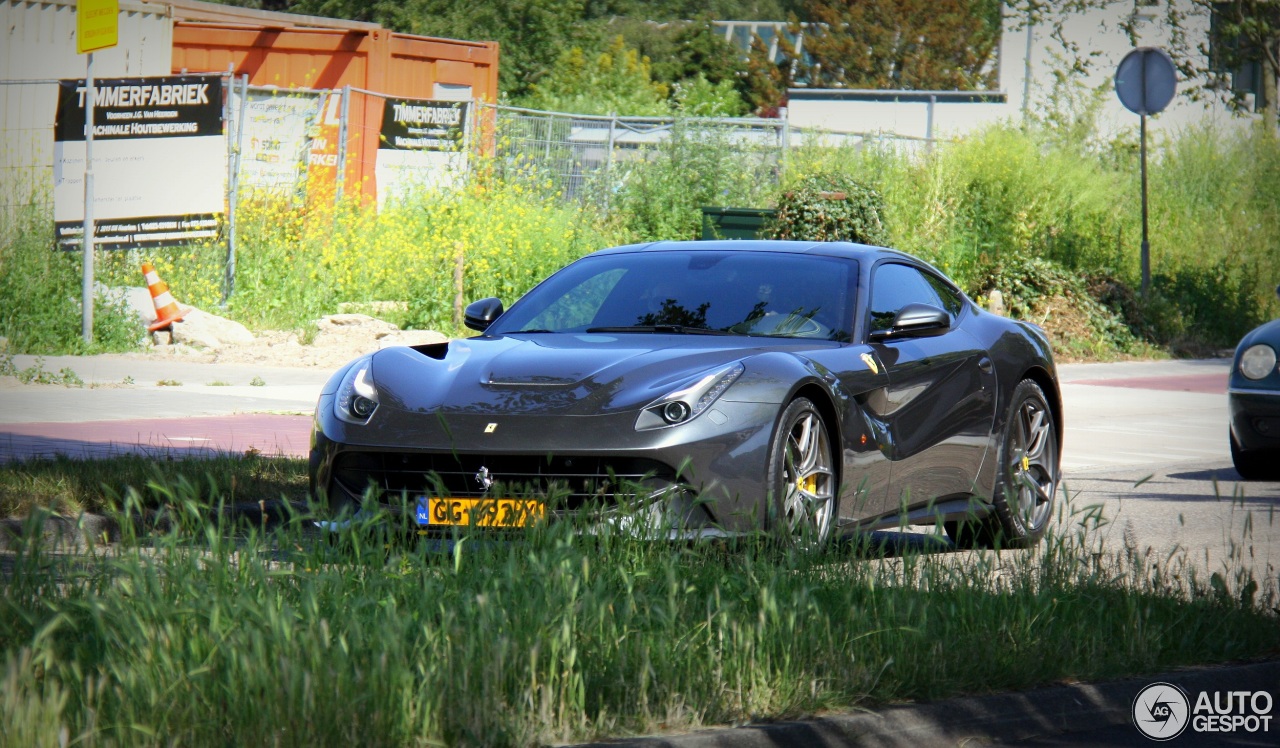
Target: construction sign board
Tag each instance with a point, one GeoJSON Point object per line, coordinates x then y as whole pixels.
{"type": "Point", "coordinates": [421, 146]}
{"type": "Point", "coordinates": [97, 25]}
{"type": "Point", "coordinates": [275, 143]}
{"type": "Point", "coordinates": [160, 161]}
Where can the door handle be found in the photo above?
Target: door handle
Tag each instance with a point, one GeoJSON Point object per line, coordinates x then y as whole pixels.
{"type": "Point", "coordinates": [985, 365]}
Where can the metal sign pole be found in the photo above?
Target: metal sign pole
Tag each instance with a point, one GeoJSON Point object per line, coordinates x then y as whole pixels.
{"type": "Point", "coordinates": [86, 296]}
{"type": "Point", "coordinates": [1146, 245]}
{"type": "Point", "coordinates": [1146, 81]}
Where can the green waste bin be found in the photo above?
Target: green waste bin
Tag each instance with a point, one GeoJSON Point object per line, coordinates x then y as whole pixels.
{"type": "Point", "coordinates": [735, 223]}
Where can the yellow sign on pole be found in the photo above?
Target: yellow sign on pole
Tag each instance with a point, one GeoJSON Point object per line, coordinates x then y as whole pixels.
{"type": "Point", "coordinates": [97, 25]}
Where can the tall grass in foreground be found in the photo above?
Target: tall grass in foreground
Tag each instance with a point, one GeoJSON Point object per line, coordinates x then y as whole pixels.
{"type": "Point", "coordinates": [201, 633]}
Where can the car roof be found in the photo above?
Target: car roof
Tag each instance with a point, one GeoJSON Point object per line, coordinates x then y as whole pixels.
{"type": "Point", "coordinates": [848, 250]}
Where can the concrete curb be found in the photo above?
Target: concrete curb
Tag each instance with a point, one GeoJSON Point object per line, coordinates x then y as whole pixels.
{"type": "Point", "coordinates": [997, 718]}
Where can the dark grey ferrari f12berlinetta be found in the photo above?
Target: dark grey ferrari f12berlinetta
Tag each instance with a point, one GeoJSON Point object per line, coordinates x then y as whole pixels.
{"type": "Point", "coordinates": [715, 388]}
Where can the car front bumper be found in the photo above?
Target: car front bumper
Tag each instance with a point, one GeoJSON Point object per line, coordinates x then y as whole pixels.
{"type": "Point", "coordinates": [707, 476]}
{"type": "Point", "coordinates": [1255, 418]}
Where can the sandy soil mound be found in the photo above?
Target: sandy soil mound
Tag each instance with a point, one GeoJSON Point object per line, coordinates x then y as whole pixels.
{"type": "Point", "coordinates": [338, 339]}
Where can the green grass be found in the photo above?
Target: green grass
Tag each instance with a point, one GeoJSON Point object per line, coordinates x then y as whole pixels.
{"type": "Point", "coordinates": [69, 487]}
{"type": "Point", "coordinates": [41, 294]}
{"type": "Point", "coordinates": [201, 632]}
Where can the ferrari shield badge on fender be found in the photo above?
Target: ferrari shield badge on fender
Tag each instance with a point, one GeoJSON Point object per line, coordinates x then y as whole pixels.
{"type": "Point", "coordinates": [491, 428]}
{"type": "Point", "coordinates": [870, 361]}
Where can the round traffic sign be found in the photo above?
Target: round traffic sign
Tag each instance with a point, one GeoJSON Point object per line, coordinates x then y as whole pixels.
{"type": "Point", "coordinates": [1146, 80]}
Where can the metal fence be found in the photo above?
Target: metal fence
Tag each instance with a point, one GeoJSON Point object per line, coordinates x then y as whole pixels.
{"type": "Point", "coordinates": [588, 157]}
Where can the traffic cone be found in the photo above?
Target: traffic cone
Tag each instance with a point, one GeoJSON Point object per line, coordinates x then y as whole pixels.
{"type": "Point", "coordinates": [167, 311]}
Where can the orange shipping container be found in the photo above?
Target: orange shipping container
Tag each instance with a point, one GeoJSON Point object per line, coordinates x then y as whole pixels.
{"type": "Point", "coordinates": [292, 51]}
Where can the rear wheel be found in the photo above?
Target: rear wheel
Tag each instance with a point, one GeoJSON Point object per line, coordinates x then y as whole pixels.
{"type": "Point", "coordinates": [802, 477]}
{"type": "Point", "coordinates": [1255, 464]}
{"type": "Point", "coordinates": [1028, 480]}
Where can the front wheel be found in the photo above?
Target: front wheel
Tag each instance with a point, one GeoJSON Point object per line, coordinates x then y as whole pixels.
{"type": "Point", "coordinates": [802, 477]}
{"type": "Point", "coordinates": [1028, 480]}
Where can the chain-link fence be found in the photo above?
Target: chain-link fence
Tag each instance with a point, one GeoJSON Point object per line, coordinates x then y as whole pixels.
{"type": "Point", "coordinates": [588, 157]}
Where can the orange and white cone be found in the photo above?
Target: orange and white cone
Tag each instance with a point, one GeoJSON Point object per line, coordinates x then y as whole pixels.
{"type": "Point", "coordinates": [167, 311]}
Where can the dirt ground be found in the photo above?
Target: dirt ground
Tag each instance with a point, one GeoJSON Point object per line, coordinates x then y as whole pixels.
{"type": "Point", "coordinates": [338, 339]}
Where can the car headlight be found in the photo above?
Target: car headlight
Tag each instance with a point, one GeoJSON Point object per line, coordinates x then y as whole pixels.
{"type": "Point", "coordinates": [687, 403]}
{"type": "Point", "coordinates": [357, 396]}
{"type": "Point", "coordinates": [1258, 361]}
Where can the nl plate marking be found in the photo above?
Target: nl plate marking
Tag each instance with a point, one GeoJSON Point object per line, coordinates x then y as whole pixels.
{"type": "Point", "coordinates": [433, 510]}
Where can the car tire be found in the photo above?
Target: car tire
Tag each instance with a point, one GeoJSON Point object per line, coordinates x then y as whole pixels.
{"type": "Point", "coordinates": [1255, 464]}
{"type": "Point", "coordinates": [1027, 483]}
{"type": "Point", "coordinates": [802, 477]}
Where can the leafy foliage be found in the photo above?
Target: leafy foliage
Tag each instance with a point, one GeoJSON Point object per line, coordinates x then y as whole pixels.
{"type": "Point", "coordinates": [831, 207]}
{"type": "Point", "coordinates": [616, 81]}
{"type": "Point", "coordinates": [1030, 285]}
{"type": "Point", "coordinates": [901, 44]}
{"type": "Point", "coordinates": [699, 97]}
{"type": "Point", "coordinates": [765, 81]}
{"type": "Point", "coordinates": [681, 49]}
{"type": "Point", "coordinates": [661, 196]}
{"type": "Point", "coordinates": [41, 293]}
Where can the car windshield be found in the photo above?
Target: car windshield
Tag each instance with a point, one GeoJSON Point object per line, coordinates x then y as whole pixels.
{"type": "Point", "coordinates": [693, 292]}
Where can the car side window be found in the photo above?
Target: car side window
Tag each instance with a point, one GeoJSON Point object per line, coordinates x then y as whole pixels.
{"type": "Point", "coordinates": [893, 286]}
{"type": "Point", "coordinates": [951, 299]}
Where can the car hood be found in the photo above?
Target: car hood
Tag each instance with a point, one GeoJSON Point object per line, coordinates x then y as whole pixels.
{"type": "Point", "coordinates": [557, 374]}
{"type": "Point", "coordinates": [1268, 332]}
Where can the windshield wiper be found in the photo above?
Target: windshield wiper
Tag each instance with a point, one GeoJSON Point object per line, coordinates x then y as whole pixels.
{"type": "Point", "coordinates": [677, 329]}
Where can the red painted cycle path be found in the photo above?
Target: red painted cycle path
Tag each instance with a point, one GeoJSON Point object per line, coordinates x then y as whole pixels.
{"type": "Point", "coordinates": [269, 434]}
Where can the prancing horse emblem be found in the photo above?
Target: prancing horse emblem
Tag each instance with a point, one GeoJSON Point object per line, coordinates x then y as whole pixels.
{"type": "Point", "coordinates": [483, 478]}
{"type": "Point", "coordinates": [491, 428]}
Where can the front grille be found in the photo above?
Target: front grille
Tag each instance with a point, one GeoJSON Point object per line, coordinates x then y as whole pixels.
{"type": "Point", "coordinates": [570, 481]}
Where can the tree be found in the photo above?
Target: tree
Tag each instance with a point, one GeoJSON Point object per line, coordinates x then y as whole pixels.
{"type": "Point", "coordinates": [900, 44]}
{"type": "Point", "coordinates": [1241, 33]}
{"type": "Point", "coordinates": [616, 81]}
{"type": "Point", "coordinates": [765, 82]}
{"type": "Point", "coordinates": [532, 34]}
{"type": "Point", "coordinates": [681, 49]}
{"type": "Point", "coordinates": [683, 10]}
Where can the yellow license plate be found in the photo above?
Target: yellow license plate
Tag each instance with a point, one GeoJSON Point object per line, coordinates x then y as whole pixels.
{"type": "Point", "coordinates": [480, 512]}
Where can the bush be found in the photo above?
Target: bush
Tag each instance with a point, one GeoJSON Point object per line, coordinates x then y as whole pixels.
{"type": "Point", "coordinates": [1042, 291]}
{"type": "Point", "coordinates": [41, 292]}
{"type": "Point", "coordinates": [831, 207]}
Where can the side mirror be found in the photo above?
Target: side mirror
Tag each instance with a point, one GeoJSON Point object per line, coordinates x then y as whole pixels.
{"type": "Point", "coordinates": [916, 321]}
{"type": "Point", "coordinates": [480, 314]}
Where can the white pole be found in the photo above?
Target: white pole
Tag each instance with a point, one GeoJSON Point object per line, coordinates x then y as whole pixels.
{"type": "Point", "coordinates": [86, 296]}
